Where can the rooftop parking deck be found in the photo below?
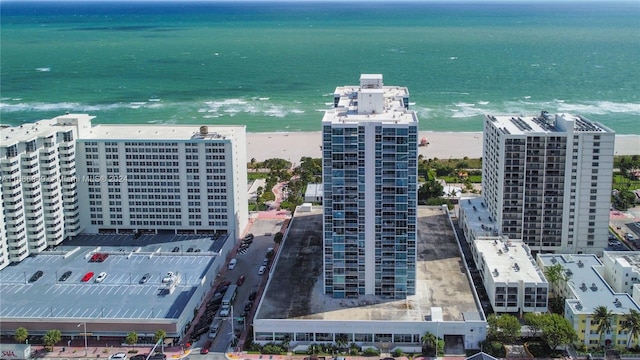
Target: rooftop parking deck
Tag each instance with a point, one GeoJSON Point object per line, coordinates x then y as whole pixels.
{"type": "Point", "coordinates": [295, 288]}
{"type": "Point", "coordinates": [121, 295]}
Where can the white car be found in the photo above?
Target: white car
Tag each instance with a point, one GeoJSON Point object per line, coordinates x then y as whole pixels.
{"type": "Point", "coordinates": [118, 356]}
{"type": "Point", "coordinates": [169, 277]}
{"type": "Point", "coordinates": [262, 270]}
{"type": "Point", "coordinates": [100, 278]}
{"type": "Point", "coordinates": [224, 312]}
{"type": "Point", "coordinates": [232, 263]}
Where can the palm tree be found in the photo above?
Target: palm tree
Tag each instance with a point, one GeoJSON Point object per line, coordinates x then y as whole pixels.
{"type": "Point", "coordinates": [632, 325]}
{"type": "Point", "coordinates": [556, 276]}
{"type": "Point", "coordinates": [21, 335]}
{"type": "Point", "coordinates": [603, 318]}
{"type": "Point", "coordinates": [430, 342]}
{"type": "Point", "coordinates": [131, 338]}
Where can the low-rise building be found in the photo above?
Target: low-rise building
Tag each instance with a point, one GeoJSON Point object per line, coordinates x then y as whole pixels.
{"type": "Point", "coordinates": [585, 290]}
{"type": "Point", "coordinates": [513, 280]}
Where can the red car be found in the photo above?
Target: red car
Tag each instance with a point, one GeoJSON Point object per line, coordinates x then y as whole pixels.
{"type": "Point", "coordinates": [87, 276]}
{"type": "Point", "coordinates": [205, 347]}
{"type": "Point", "coordinates": [240, 280]}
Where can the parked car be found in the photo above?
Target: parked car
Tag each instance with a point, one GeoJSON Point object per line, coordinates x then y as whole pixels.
{"type": "Point", "coordinates": [37, 275]}
{"type": "Point", "coordinates": [248, 305]}
{"type": "Point", "coordinates": [87, 276]}
{"type": "Point", "coordinates": [138, 357]}
{"type": "Point", "coordinates": [175, 249]}
{"type": "Point", "coordinates": [65, 276]}
{"type": "Point", "coordinates": [240, 280]}
{"type": "Point", "coordinates": [252, 296]}
{"type": "Point", "coordinates": [169, 277]}
{"type": "Point", "coordinates": [190, 249]}
{"type": "Point", "coordinates": [100, 278]}
{"type": "Point", "coordinates": [214, 329]}
{"type": "Point", "coordinates": [118, 356]}
{"type": "Point", "coordinates": [145, 278]}
{"type": "Point", "coordinates": [265, 261]}
{"type": "Point", "coordinates": [262, 270]}
{"type": "Point", "coordinates": [159, 356]}
{"type": "Point", "coordinates": [232, 263]}
{"type": "Point", "coordinates": [629, 236]}
{"type": "Point", "coordinates": [205, 347]}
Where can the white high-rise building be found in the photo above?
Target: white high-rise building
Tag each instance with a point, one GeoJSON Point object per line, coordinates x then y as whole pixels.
{"type": "Point", "coordinates": [40, 205]}
{"type": "Point", "coordinates": [547, 180]}
{"type": "Point", "coordinates": [163, 178]}
{"type": "Point", "coordinates": [370, 143]}
{"type": "Point", "coordinates": [62, 177]}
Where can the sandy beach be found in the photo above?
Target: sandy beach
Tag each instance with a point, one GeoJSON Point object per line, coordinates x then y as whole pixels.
{"type": "Point", "coordinates": [456, 145]}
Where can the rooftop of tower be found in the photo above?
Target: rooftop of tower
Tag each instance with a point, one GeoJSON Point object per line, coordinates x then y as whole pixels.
{"type": "Point", "coordinates": [370, 101]}
{"type": "Point", "coordinates": [546, 123]}
{"type": "Point", "coordinates": [295, 288]}
{"type": "Point", "coordinates": [163, 132]}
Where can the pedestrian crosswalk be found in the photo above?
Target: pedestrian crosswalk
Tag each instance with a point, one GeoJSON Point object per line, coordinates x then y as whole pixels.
{"type": "Point", "coordinates": [242, 251]}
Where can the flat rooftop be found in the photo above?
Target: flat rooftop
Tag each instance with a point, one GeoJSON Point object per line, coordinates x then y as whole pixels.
{"type": "Point", "coordinates": [545, 123]}
{"type": "Point", "coordinates": [589, 287]}
{"type": "Point", "coordinates": [295, 289]}
{"type": "Point", "coordinates": [39, 129]}
{"type": "Point", "coordinates": [479, 218]}
{"type": "Point", "coordinates": [163, 132]}
{"type": "Point", "coordinates": [120, 296]}
{"type": "Point", "coordinates": [509, 261]}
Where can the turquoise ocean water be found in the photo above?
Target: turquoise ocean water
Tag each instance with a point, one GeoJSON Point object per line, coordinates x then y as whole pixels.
{"type": "Point", "coordinates": [274, 66]}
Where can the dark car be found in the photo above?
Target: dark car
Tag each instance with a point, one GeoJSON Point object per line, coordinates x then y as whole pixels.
{"type": "Point", "coordinates": [252, 296]}
{"type": "Point", "coordinates": [222, 289]}
{"type": "Point", "coordinates": [145, 278]}
{"type": "Point", "coordinates": [175, 249]}
{"type": "Point", "coordinates": [37, 275]}
{"type": "Point", "coordinates": [248, 306]}
{"type": "Point", "coordinates": [65, 276]}
{"type": "Point", "coordinates": [159, 356]}
{"type": "Point", "coordinates": [240, 280]}
{"type": "Point", "coordinates": [138, 357]}
{"type": "Point", "coordinates": [190, 249]}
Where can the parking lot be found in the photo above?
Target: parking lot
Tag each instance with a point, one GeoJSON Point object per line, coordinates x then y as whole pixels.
{"type": "Point", "coordinates": [626, 222]}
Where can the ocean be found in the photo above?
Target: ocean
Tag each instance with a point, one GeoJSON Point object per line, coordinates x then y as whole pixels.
{"type": "Point", "coordinates": [273, 66]}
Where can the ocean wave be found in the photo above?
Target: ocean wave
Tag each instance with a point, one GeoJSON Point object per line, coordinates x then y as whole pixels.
{"type": "Point", "coordinates": [65, 106]}
{"type": "Point", "coordinates": [254, 106]}
{"type": "Point", "coordinates": [461, 110]}
{"type": "Point", "coordinates": [43, 69]}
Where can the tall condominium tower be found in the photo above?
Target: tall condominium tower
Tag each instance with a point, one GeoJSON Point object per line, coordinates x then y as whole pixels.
{"type": "Point", "coordinates": [63, 176]}
{"type": "Point", "coordinates": [369, 154]}
{"type": "Point", "coordinates": [40, 204]}
{"type": "Point", "coordinates": [547, 180]}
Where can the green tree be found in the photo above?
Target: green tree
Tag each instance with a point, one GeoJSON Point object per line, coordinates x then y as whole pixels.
{"type": "Point", "coordinates": [429, 344]}
{"type": "Point", "coordinates": [21, 335]}
{"type": "Point", "coordinates": [51, 338]}
{"type": "Point", "coordinates": [535, 322]}
{"type": "Point", "coordinates": [557, 277]}
{"type": "Point", "coordinates": [429, 190]}
{"type": "Point", "coordinates": [556, 330]}
{"type": "Point", "coordinates": [277, 238]}
{"type": "Point", "coordinates": [602, 317]}
{"type": "Point", "coordinates": [632, 326]}
{"type": "Point", "coordinates": [342, 340]}
{"type": "Point", "coordinates": [160, 334]}
{"type": "Point", "coordinates": [131, 338]}
{"type": "Point", "coordinates": [504, 328]}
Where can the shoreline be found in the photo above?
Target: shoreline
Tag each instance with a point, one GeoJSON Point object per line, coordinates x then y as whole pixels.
{"type": "Point", "coordinates": [455, 145]}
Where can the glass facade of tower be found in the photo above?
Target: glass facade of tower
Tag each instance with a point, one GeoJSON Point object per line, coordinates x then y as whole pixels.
{"type": "Point", "coordinates": [370, 169]}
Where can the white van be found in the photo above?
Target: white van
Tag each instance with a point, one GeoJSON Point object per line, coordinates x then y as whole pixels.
{"type": "Point", "coordinates": [232, 263]}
